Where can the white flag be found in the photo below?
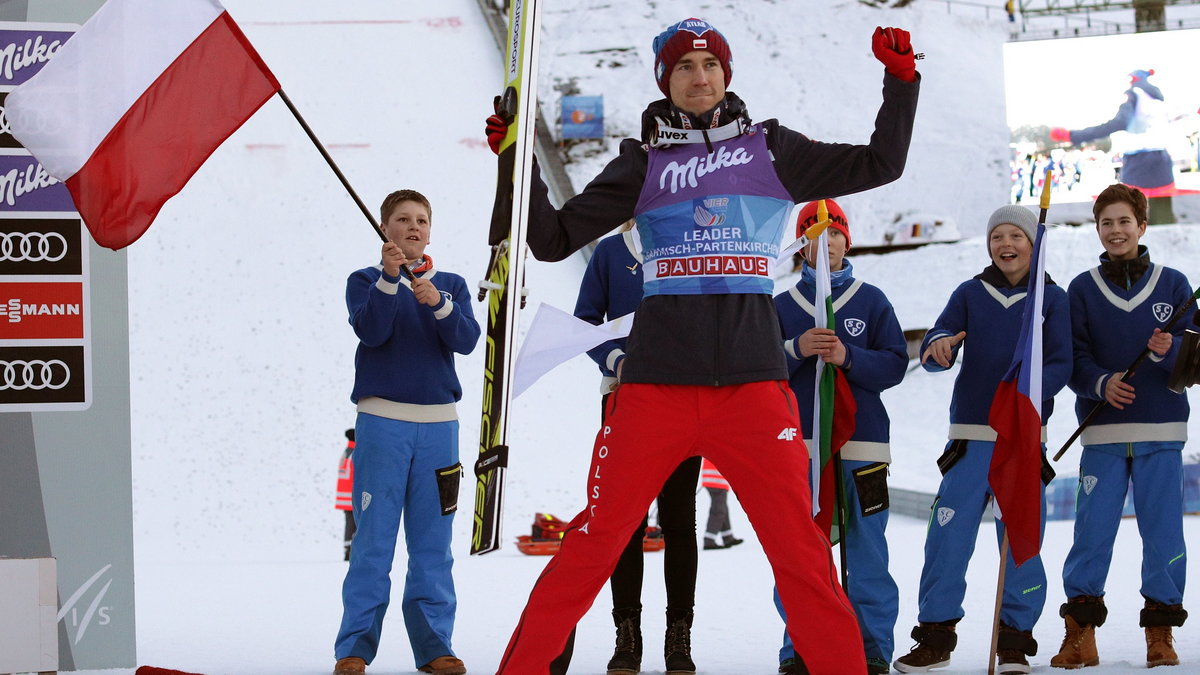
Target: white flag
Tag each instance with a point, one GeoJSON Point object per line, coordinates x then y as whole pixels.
{"type": "Point", "coordinates": [556, 337]}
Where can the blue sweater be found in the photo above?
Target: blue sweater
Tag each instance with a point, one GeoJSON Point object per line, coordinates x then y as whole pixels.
{"type": "Point", "coordinates": [406, 349]}
{"type": "Point", "coordinates": [876, 355]}
{"type": "Point", "coordinates": [1110, 326]}
{"type": "Point", "coordinates": [991, 315]}
{"type": "Point", "coordinates": [611, 288]}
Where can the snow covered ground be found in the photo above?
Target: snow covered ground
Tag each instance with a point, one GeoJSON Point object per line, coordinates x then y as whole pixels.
{"type": "Point", "coordinates": [241, 357]}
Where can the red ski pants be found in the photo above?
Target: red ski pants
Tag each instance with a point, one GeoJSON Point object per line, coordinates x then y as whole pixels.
{"type": "Point", "coordinates": [752, 433]}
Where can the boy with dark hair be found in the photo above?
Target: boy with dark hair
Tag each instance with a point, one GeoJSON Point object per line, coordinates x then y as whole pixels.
{"type": "Point", "coordinates": [704, 373]}
{"type": "Point", "coordinates": [406, 441]}
{"type": "Point", "coordinates": [1117, 308]}
{"type": "Point", "coordinates": [986, 313]}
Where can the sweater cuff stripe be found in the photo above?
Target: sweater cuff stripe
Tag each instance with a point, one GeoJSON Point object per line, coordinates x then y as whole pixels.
{"type": "Point", "coordinates": [389, 287]}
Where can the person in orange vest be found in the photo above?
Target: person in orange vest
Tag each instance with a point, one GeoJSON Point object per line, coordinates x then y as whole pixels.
{"type": "Point", "coordinates": [343, 500]}
{"type": "Point", "coordinates": [718, 533]}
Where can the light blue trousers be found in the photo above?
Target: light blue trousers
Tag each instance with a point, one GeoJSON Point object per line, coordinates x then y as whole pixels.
{"type": "Point", "coordinates": [1105, 471]}
{"type": "Point", "coordinates": [395, 476]}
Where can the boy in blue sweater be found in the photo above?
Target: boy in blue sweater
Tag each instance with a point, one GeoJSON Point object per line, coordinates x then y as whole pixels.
{"type": "Point", "coordinates": [1117, 309]}
{"type": "Point", "coordinates": [985, 312]}
{"type": "Point", "coordinates": [406, 455]}
{"type": "Point", "coordinates": [868, 345]}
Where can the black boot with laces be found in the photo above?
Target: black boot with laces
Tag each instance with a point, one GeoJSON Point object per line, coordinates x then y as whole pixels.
{"type": "Point", "coordinates": [677, 647]}
{"type": "Point", "coordinates": [627, 657]}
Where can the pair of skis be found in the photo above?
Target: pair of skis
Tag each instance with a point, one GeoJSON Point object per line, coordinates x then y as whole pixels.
{"type": "Point", "coordinates": [506, 270]}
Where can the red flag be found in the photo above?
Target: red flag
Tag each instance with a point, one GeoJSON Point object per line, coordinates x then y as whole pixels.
{"type": "Point", "coordinates": [132, 105]}
{"type": "Point", "coordinates": [843, 425]}
{"type": "Point", "coordinates": [1015, 474]}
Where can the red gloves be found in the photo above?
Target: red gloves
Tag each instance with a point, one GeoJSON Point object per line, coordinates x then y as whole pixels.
{"type": "Point", "coordinates": [1060, 135]}
{"type": "Point", "coordinates": [893, 48]}
{"type": "Point", "coordinates": [496, 129]}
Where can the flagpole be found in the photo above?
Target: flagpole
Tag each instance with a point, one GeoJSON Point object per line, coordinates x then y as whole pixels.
{"type": "Point", "coordinates": [839, 498]}
{"type": "Point", "coordinates": [999, 601]}
{"type": "Point", "coordinates": [338, 172]}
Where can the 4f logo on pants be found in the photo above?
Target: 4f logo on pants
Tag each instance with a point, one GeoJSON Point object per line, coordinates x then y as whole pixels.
{"type": "Point", "coordinates": [788, 434]}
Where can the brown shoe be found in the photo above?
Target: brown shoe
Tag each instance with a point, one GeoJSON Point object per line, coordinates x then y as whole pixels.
{"type": "Point", "coordinates": [444, 665]}
{"type": "Point", "coordinates": [351, 665]}
{"type": "Point", "coordinates": [935, 641]}
{"type": "Point", "coordinates": [1159, 651]}
{"type": "Point", "coordinates": [1078, 647]}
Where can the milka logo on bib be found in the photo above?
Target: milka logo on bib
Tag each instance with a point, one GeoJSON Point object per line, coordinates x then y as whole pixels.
{"type": "Point", "coordinates": [1162, 311]}
{"type": "Point", "coordinates": [682, 175]}
{"type": "Point", "coordinates": [855, 327]}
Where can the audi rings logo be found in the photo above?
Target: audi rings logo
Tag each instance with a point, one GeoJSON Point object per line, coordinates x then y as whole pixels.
{"type": "Point", "coordinates": [5, 127]}
{"type": "Point", "coordinates": [32, 247]}
{"type": "Point", "coordinates": [34, 375]}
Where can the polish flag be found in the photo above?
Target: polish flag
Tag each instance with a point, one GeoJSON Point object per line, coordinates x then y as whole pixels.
{"type": "Point", "coordinates": [131, 106]}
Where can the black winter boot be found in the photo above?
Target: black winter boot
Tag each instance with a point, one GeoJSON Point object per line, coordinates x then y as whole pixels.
{"type": "Point", "coordinates": [935, 641]}
{"type": "Point", "coordinates": [677, 647]}
{"type": "Point", "coordinates": [1012, 647]}
{"type": "Point", "coordinates": [627, 657]}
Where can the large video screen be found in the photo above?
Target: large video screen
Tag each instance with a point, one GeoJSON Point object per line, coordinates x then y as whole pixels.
{"type": "Point", "coordinates": [1080, 83]}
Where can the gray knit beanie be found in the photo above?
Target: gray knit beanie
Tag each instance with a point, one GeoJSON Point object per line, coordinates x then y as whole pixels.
{"type": "Point", "coordinates": [1012, 215]}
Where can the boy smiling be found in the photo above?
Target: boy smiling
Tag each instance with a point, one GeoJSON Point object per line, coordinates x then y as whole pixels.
{"type": "Point", "coordinates": [1117, 308]}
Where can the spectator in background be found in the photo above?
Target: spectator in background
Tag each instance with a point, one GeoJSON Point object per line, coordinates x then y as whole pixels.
{"type": "Point", "coordinates": [719, 532]}
{"type": "Point", "coordinates": [345, 489]}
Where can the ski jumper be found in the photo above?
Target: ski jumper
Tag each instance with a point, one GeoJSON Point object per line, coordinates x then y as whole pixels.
{"type": "Point", "coordinates": [611, 288]}
{"type": "Point", "coordinates": [704, 372]}
{"type": "Point", "coordinates": [1112, 317]}
{"type": "Point", "coordinates": [1145, 162]}
{"type": "Point", "coordinates": [405, 457]}
{"type": "Point", "coordinates": [990, 312]}
{"type": "Point", "coordinates": [876, 357]}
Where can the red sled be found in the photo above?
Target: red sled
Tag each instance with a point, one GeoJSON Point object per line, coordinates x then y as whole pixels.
{"type": "Point", "coordinates": [547, 533]}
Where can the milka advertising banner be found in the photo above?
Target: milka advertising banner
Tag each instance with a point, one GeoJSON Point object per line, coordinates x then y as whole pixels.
{"type": "Point", "coordinates": [65, 489]}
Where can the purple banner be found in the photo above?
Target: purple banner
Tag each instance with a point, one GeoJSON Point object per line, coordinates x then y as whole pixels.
{"type": "Point", "coordinates": [24, 52]}
{"type": "Point", "coordinates": [25, 186]}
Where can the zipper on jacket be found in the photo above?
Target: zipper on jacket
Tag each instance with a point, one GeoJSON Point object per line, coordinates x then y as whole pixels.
{"type": "Point", "coordinates": [717, 345]}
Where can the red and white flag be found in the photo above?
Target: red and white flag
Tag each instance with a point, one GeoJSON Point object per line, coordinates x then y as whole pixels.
{"type": "Point", "coordinates": [131, 106]}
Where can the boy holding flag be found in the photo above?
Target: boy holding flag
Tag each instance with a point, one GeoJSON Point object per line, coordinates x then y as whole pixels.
{"type": "Point", "coordinates": [988, 310]}
{"type": "Point", "coordinates": [865, 348]}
